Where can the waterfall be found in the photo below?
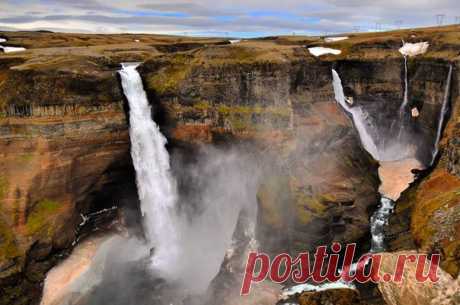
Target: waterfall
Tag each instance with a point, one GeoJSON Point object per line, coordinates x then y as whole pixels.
{"type": "Point", "coordinates": [388, 153]}
{"type": "Point", "coordinates": [155, 184]}
{"type": "Point", "coordinates": [442, 114]}
{"type": "Point", "coordinates": [188, 245]}
{"type": "Point", "coordinates": [358, 117]}
{"type": "Point", "coordinates": [406, 87]}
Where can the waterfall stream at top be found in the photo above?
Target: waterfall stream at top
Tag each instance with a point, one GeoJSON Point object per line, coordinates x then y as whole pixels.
{"type": "Point", "coordinates": [406, 88]}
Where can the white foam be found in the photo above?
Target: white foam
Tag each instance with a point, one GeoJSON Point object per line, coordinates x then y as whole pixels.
{"type": "Point", "coordinates": [318, 51]}
{"type": "Point", "coordinates": [298, 289]}
{"type": "Point", "coordinates": [414, 49]}
{"type": "Point", "coordinates": [333, 39]}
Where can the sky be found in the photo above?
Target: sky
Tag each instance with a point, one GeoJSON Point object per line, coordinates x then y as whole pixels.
{"type": "Point", "coordinates": [232, 18]}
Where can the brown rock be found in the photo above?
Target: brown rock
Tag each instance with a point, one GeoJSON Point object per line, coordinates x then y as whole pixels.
{"type": "Point", "coordinates": [411, 292]}
{"type": "Point", "coordinates": [331, 297]}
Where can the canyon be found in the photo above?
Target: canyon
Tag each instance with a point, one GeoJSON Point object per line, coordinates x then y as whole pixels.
{"type": "Point", "coordinates": [65, 145]}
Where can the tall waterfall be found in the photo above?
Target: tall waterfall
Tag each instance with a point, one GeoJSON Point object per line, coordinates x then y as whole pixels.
{"type": "Point", "coordinates": [442, 114]}
{"type": "Point", "coordinates": [406, 87]}
{"type": "Point", "coordinates": [358, 117]}
{"type": "Point", "coordinates": [188, 246]}
{"type": "Point", "coordinates": [156, 186]}
{"type": "Point", "coordinates": [382, 152]}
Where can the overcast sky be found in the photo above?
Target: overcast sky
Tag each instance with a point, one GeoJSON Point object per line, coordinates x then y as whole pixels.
{"type": "Point", "coordinates": [235, 18]}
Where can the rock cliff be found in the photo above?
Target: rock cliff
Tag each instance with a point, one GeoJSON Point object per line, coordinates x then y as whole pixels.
{"type": "Point", "coordinates": [65, 145]}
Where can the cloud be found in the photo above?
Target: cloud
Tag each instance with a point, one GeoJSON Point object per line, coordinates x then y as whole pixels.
{"type": "Point", "coordinates": [237, 17]}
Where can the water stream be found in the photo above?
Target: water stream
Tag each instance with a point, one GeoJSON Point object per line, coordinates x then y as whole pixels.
{"type": "Point", "coordinates": [442, 114]}
{"type": "Point", "coordinates": [406, 88]}
{"type": "Point", "coordinates": [397, 163]}
{"type": "Point", "coordinates": [155, 184]}
{"type": "Point", "coordinates": [188, 244]}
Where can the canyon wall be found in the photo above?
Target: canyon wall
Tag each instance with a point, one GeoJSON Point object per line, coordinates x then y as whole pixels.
{"type": "Point", "coordinates": [65, 145]}
{"type": "Point", "coordinates": [64, 151]}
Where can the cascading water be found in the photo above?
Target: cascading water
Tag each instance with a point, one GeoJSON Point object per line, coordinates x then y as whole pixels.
{"type": "Point", "coordinates": [393, 152]}
{"type": "Point", "coordinates": [155, 184]}
{"type": "Point", "coordinates": [406, 88]}
{"type": "Point", "coordinates": [358, 117]}
{"type": "Point", "coordinates": [378, 222]}
{"type": "Point", "coordinates": [442, 114]}
{"type": "Point", "coordinates": [380, 218]}
{"type": "Point", "coordinates": [188, 246]}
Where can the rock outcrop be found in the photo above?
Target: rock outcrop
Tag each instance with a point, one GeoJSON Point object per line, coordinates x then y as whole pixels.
{"type": "Point", "coordinates": [446, 291]}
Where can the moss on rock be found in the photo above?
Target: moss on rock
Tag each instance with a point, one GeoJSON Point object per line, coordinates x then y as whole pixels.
{"type": "Point", "coordinates": [41, 213]}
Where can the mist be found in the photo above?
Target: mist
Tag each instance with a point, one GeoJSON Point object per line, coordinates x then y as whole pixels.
{"type": "Point", "coordinates": [216, 201]}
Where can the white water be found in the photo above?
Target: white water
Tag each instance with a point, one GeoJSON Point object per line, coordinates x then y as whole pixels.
{"type": "Point", "coordinates": [380, 217]}
{"type": "Point", "coordinates": [378, 222]}
{"type": "Point", "coordinates": [358, 117]}
{"type": "Point", "coordinates": [388, 151]}
{"type": "Point", "coordinates": [155, 184]}
{"type": "Point", "coordinates": [297, 289]}
{"type": "Point", "coordinates": [442, 114]}
{"type": "Point", "coordinates": [189, 247]}
{"type": "Point", "coordinates": [406, 87]}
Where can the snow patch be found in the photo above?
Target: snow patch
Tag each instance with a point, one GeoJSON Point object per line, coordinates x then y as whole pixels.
{"type": "Point", "coordinates": [333, 39]}
{"type": "Point", "coordinates": [233, 41]}
{"type": "Point", "coordinates": [12, 49]}
{"type": "Point", "coordinates": [414, 49]}
{"type": "Point", "coordinates": [318, 51]}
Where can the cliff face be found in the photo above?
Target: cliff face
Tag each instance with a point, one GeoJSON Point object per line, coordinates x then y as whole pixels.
{"type": "Point", "coordinates": [65, 145]}
{"type": "Point", "coordinates": [435, 202]}
{"type": "Point", "coordinates": [321, 186]}
{"type": "Point", "coordinates": [317, 187]}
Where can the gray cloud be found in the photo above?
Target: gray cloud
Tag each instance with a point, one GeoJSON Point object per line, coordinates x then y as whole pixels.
{"type": "Point", "coordinates": [240, 17]}
{"type": "Point", "coordinates": [188, 8]}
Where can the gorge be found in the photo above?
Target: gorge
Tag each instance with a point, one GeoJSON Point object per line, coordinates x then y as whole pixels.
{"type": "Point", "coordinates": [259, 123]}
